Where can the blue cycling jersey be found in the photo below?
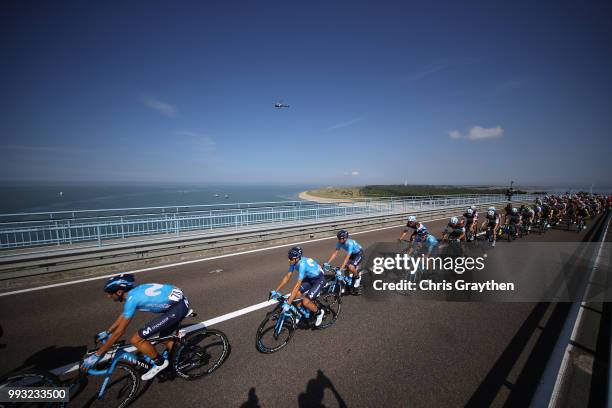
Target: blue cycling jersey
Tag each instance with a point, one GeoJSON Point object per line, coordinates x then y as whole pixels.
{"type": "Point", "coordinates": [151, 297]}
{"type": "Point", "coordinates": [350, 246]}
{"type": "Point", "coordinates": [307, 268]}
{"type": "Point", "coordinates": [430, 241]}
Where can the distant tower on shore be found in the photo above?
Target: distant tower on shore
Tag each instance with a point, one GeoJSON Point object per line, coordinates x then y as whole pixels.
{"type": "Point", "coordinates": [405, 183]}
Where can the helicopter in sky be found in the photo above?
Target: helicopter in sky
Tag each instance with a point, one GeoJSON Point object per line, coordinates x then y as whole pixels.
{"type": "Point", "coordinates": [280, 105]}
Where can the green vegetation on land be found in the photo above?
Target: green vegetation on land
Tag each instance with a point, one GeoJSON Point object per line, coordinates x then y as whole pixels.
{"type": "Point", "coordinates": [401, 190]}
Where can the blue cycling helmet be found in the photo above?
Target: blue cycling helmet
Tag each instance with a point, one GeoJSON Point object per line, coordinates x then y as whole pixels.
{"type": "Point", "coordinates": [342, 234]}
{"type": "Point", "coordinates": [295, 252]}
{"type": "Point", "coordinates": [123, 281]}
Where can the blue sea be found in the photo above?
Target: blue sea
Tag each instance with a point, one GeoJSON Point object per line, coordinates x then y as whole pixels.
{"type": "Point", "coordinates": [42, 197]}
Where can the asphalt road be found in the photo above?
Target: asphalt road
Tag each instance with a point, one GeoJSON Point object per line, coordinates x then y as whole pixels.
{"type": "Point", "coordinates": [379, 353]}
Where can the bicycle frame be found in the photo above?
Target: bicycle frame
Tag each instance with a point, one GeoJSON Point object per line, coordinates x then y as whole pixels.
{"type": "Point", "coordinates": [293, 311]}
{"type": "Point", "coordinates": [340, 277]}
{"type": "Point", "coordinates": [119, 355]}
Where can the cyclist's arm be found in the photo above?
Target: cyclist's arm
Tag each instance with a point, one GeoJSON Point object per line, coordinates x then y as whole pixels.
{"type": "Point", "coordinates": [115, 324]}
{"type": "Point", "coordinates": [403, 235]}
{"type": "Point", "coordinates": [294, 291]}
{"type": "Point", "coordinates": [284, 281]}
{"type": "Point", "coordinates": [122, 324]}
{"type": "Point", "coordinates": [346, 259]}
{"type": "Point", "coordinates": [333, 256]}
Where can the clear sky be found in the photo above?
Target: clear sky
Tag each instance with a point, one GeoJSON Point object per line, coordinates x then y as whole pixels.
{"type": "Point", "coordinates": [379, 92]}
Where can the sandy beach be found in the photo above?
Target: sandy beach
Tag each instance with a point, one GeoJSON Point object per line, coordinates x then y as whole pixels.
{"type": "Point", "coordinates": [305, 196]}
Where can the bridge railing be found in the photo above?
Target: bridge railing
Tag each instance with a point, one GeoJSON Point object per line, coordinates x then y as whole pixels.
{"type": "Point", "coordinates": [23, 230]}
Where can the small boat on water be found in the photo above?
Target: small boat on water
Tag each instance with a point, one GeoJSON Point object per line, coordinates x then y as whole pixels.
{"type": "Point", "coordinates": [61, 193]}
{"type": "Point", "coordinates": [226, 196]}
{"type": "Point", "coordinates": [217, 195]}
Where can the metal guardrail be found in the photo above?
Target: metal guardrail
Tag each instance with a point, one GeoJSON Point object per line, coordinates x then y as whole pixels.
{"type": "Point", "coordinates": [68, 227]}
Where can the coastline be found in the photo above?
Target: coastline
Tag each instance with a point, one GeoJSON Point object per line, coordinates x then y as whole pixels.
{"type": "Point", "coordinates": [308, 197]}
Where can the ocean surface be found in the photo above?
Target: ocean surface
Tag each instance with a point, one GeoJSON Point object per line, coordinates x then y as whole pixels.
{"type": "Point", "coordinates": [42, 197]}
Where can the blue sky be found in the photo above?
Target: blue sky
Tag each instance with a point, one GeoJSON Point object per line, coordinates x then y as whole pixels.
{"type": "Point", "coordinates": [380, 92]}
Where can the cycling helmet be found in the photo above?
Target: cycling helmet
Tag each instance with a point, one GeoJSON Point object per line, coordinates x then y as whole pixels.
{"type": "Point", "coordinates": [473, 207]}
{"type": "Point", "coordinates": [491, 212]}
{"type": "Point", "coordinates": [342, 234]}
{"type": "Point", "coordinates": [123, 281]}
{"type": "Point", "coordinates": [295, 252]}
{"type": "Point", "coordinates": [514, 210]}
{"type": "Point", "coordinates": [454, 220]}
{"type": "Point", "coordinates": [470, 211]}
{"type": "Point", "coordinates": [411, 218]}
{"type": "Point", "coordinates": [491, 208]}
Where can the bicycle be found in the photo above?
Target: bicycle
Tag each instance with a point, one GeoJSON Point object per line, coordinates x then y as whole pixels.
{"type": "Point", "coordinates": [190, 358]}
{"type": "Point", "coordinates": [490, 235]}
{"type": "Point", "coordinates": [339, 283]}
{"type": "Point", "coordinates": [472, 235]}
{"type": "Point", "coordinates": [282, 325]}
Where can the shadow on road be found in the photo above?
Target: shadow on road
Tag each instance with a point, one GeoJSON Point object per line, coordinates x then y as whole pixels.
{"type": "Point", "coordinates": [524, 387]}
{"type": "Point", "coordinates": [252, 401]}
{"type": "Point", "coordinates": [315, 390]}
{"type": "Point", "coordinates": [52, 357]}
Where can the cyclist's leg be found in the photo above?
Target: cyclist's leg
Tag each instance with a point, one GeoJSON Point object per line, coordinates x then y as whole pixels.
{"type": "Point", "coordinates": [305, 294]}
{"type": "Point", "coordinates": [316, 285]}
{"type": "Point", "coordinates": [353, 267]}
{"type": "Point", "coordinates": [166, 323]}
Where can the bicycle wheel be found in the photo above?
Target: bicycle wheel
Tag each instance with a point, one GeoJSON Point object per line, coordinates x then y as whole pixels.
{"type": "Point", "coordinates": [200, 353]}
{"type": "Point", "coordinates": [28, 379]}
{"type": "Point", "coordinates": [274, 332]}
{"type": "Point", "coordinates": [121, 390]}
{"type": "Point", "coordinates": [331, 303]}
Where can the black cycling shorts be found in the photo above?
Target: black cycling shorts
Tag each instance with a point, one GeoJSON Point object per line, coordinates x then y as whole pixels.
{"type": "Point", "coordinates": [168, 322]}
{"type": "Point", "coordinates": [356, 258]}
{"type": "Point", "coordinates": [312, 287]}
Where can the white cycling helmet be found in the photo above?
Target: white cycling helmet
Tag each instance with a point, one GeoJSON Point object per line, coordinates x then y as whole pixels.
{"type": "Point", "coordinates": [491, 208]}
{"type": "Point", "coordinates": [454, 220]}
{"type": "Point", "coordinates": [470, 211]}
{"type": "Point", "coordinates": [411, 218]}
{"type": "Point", "coordinates": [491, 212]}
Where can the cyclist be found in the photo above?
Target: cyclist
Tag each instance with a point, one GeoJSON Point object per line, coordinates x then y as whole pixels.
{"type": "Point", "coordinates": [492, 221]}
{"type": "Point", "coordinates": [308, 286]}
{"type": "Point", "coordinates": [583, 212]}
{"type": "Point", "coordinates": [514, 220]}
{"type": "Point", "coordinates": [455, 230]}
{"type": "Point", "coordinates": [354, 256]}
{"type": "Point", "coordinates": [413, 225]}
{"type": "Point", "coordinates": [166, 300]}
{"type": "Point", "coordinates": [507, 212]}
{"type": "Point", "coordinates": [424, 238]}
{"type": "Point", "coordinates": [528, 215]}
{"type": "Point", "coordinates": [471, 219]}
{"type": "Point", "coordinates": [547, 213]}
